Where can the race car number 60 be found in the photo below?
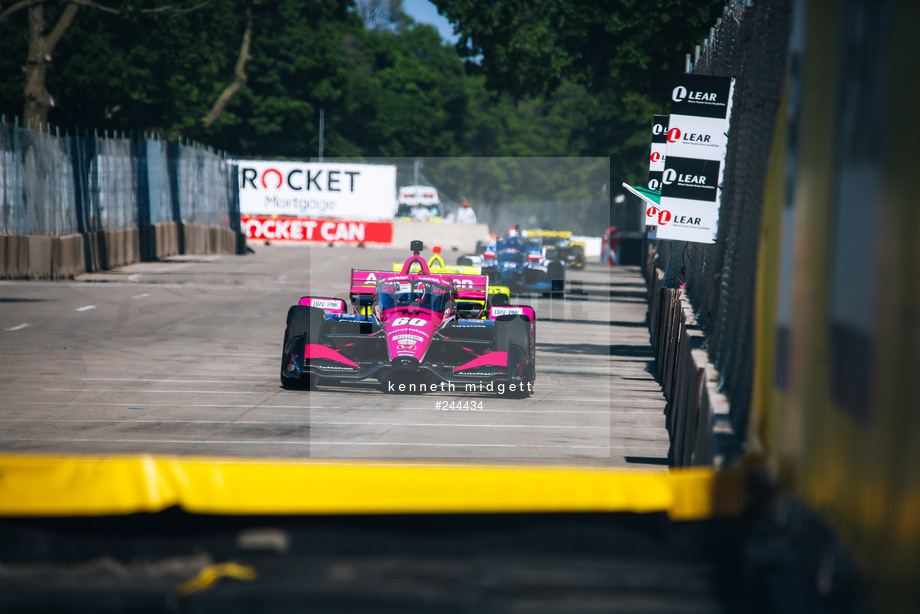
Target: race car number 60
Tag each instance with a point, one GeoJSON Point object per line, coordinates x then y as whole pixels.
{"type": "Point", "coordinates": [409, 321]}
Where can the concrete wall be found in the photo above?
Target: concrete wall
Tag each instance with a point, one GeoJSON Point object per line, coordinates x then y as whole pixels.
{"type": "Point", "coordinates": [447, 236]}
{"type": "Point", "coordinates": [67, 257]}
{"type": "Point", "coordinates": [41, 257]}
{"type": "Point", "coordinates": [47, 257]}
{"type": "Point", "coordinates": [207, 240]}
{"type": "Point", "coordinates": [123, 247]}
{"type": "Point", "coordinates": [697, 413]}
{"type": "Point", "coordinates": [15, 257]}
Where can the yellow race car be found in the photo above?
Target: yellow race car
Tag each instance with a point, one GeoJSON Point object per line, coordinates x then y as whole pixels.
{"type": "Point", "coordinates": [496, 295]}
{"type": "Point", "coordinates": [560, 243]}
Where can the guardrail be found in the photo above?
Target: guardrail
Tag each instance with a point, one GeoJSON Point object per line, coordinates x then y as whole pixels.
{"type": "Point", "coordinates": [82, 202]}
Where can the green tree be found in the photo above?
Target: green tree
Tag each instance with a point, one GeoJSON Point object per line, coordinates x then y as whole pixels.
{"type": "Point", "coordinates": [383, 14]}
{"type": "Point", "coordinates": [530, 47]}
{"type": "Point", "coordinates": [408, 95]}
{"type": "Point", "coordinates": [597, 71]}
{"type": "Point", "coordinates": [42, 32]}
{"type": "Point", "coordinates": [251, 77]}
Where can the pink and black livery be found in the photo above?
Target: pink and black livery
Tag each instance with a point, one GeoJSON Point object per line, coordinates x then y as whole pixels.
{"type": "Point", "coordinates": [405, 333]}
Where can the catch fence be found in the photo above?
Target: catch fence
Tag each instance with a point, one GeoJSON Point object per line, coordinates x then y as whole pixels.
{"type": "Point", "coordinates": [56, 184]}
{"type": "Point", "coordinates": [750, 43]}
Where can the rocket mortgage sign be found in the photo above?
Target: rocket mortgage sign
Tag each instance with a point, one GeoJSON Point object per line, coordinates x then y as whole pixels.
{"type": "Point", "coordinates": [697, 141]}
{"type": "Point", "coordinates": [317, 201]}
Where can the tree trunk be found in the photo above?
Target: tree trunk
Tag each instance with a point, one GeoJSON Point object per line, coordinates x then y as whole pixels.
{"type": "Point", "coordinates": [37, 99]}
{"type": "Point", "coordinates": [239, 76]}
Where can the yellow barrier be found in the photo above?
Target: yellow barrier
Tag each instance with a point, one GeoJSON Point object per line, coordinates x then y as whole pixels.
{"type": "Point", "coordinates": [100, 486]}
{"type": "Point", "coordinates": [856, 463]}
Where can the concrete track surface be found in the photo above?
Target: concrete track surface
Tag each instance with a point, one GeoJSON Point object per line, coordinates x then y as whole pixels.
{"type": "Point", "coordinates": [182, 357]}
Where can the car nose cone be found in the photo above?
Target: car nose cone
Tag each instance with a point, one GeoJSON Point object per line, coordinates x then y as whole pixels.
{"type": "Point", "coordinates": [405, 362]}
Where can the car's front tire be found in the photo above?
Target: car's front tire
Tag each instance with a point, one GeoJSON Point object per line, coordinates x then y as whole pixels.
{"type": "Point", "coordinates": [304, 325]}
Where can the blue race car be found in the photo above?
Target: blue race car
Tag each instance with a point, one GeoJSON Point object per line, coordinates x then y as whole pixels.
{"type": "Point", "coordinates": [522, 264]}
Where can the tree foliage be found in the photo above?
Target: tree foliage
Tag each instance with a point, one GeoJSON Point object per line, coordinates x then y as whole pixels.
{"type": "Point", "coordinates": [535, 78]}
{"type": "Point", "coordinates": [531, 47]}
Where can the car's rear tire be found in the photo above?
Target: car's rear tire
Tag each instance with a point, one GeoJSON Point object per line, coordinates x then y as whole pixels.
{"type": "Point", "coordinates": [556, 273]}
{"type": "Point", "coordinates": [492, 273]}
{"type": "Point", "coordinates": [513, 334]}
{"type": "Point", "coordinates": [519, 384]}
{"type": "Point", "coordinates": [499, 299]}
{"type": "Point", "coordinates": [579, 253]}
{"type": "Point", "coordinates": [304, 325]}
{"type": "Point", "coordinates": [464, 261]}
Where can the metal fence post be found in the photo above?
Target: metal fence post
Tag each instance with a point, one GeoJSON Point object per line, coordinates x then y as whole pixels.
{"type": "Point", "coordinates": [145, 229]}
{"type": "Point", "coordinates": [172, 170]}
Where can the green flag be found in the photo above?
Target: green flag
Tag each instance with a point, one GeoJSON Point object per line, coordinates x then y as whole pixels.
{"type": "Point", "coordinates": [650, 196]}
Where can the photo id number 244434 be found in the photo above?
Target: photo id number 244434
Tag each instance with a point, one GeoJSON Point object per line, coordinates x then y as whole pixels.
{"type": "Point", "coordinates": [458, 405]}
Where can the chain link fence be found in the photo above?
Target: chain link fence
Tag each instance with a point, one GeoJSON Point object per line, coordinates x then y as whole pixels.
{"type": "Point", "coordinates": [750, 43]}
{"type": "Point", "coordinates": [54, 184]}
{"type": "Point", "coordinates": [36, 183]}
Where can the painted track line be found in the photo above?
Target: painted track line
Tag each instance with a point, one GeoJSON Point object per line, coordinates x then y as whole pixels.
{"type": "Point", "coordinates": [172, 381]}
{"type": "Point", "coordinates": [274, 381]}
{"type": "Point", "coordinates": [317, 423]}
{"type": "Point", "coordinates": [313, 407]}
{"type": "Point", "coordinates": [316, 443]}
{"type": "Point", "coordinates": [420, 396]}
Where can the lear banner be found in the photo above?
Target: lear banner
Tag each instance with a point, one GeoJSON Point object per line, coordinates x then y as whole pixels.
{"type": "Point", "coordinates": [697, 141]}
{"type": "Point", "coordinates": [693, 186]}
{"type": "Point", "coordinates": [656, 167]}
{"type": "Point", "coordinates": [657, 156]}
{"type": "Point", "coordinates": [318, 190]}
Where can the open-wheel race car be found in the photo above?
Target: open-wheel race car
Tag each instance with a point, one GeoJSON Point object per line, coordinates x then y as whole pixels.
{"type": "Point", "coordinates": [559, 244]}
{"type": "Point", "coordinates": [522, 264]}
{"type": "Point", "coordinates": [403, 332]}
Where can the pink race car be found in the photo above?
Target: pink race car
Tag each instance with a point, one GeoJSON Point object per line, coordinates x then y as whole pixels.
{"type": "Point", "coordinates": [404, 334]}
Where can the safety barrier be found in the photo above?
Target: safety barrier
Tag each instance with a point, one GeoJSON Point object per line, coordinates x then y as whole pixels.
{"type": "Point", "coordinates": [85, 202]}
{"type": "Point", "coordinates": [97, 486]}
{"type": "Point", "coordinates": [697, 413]}
{"type": "Point", "coordinates": [41, 257]}
{"type": "Point", "coordinates": [749, 44]}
